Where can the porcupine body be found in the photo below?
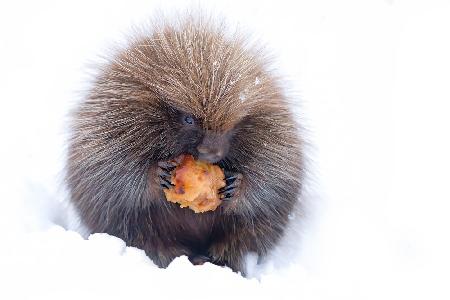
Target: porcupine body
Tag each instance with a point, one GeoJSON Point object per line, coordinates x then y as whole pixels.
{"type": "Point", "coordinates": [186, 88]}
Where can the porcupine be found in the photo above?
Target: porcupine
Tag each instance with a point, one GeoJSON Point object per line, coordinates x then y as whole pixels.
{"type": "Point", "coordinates": [186, 88]}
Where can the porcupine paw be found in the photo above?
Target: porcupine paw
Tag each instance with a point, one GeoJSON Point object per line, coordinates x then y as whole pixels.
{"type": "Point", "coordinates": [164, 173]}
{"type": "Point", "coordinates": [233, 181]}
{"type": "Point", "coordinates": [199, 259]}
{"type": "Point", "coordinates": [223, 255]}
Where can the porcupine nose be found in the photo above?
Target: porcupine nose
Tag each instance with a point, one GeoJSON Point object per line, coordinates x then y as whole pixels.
{"type": "Point", "coordinates": [209, 154]}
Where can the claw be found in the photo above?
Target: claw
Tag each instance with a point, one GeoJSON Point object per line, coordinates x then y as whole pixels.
{"type": "Point", "coordinates": [165, 185]}
{"type": "Point", "coordinates": [165, 181]}
{"type": "Point", "coordinates": [165, 169]}
{"type": "Point", "coordinates": [227, 196]}
{"type": "Point", "coordinates": [167, 165]}
{"type": "Point", "coordinates": [231, 185]}
{"type": "Point", "coordinates": [232, 181]}
{"type": "Point", "coordinates": [164, 173]}
{"type": "Point", "coordinates": [231, 178]}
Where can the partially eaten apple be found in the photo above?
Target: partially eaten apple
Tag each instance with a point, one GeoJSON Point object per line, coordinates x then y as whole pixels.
{"type": "Point", "coordinates": [196, 184]}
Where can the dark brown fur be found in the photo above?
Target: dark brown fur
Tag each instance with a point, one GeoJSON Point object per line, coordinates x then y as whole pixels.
{"type": "Point", "coordinates": [130, 121]}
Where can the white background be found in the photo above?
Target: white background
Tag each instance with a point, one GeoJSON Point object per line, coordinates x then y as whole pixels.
{"type": "Point", "coordinates": [373, 81]}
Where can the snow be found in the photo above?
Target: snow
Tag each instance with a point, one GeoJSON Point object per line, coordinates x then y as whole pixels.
{"type": "Point", "coordinates": [373, 78]}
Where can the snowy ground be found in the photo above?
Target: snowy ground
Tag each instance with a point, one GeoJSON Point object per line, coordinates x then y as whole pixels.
{"type": "Point", "coordinates": [374, 78]}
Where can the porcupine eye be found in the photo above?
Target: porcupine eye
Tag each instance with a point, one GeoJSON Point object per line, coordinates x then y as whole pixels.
{"type": "Point", "coordinates": [188, 120]}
